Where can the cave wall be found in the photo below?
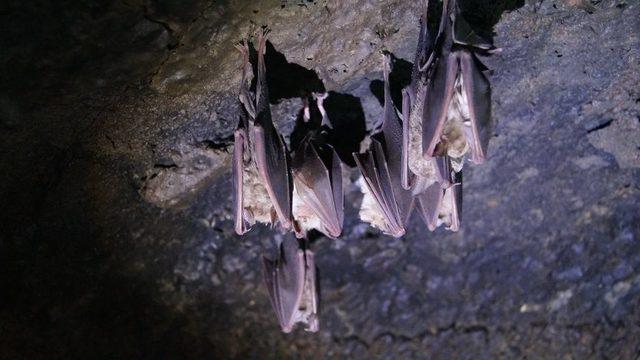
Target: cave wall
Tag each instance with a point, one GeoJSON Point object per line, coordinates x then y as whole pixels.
{"type": "Point", "coordinates": [117, 232]}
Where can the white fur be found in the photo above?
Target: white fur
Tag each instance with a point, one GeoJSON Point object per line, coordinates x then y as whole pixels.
{"type": "Point", "coordinates": [302, 213]}
{"type": "Point", "coordinates": [370, 211]}
{"type": "Point", "coordinates": [257, 204]}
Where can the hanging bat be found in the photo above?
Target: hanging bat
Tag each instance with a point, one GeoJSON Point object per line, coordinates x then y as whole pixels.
{"type": "Point", "coordinates": [318, 196]}
{"type": "Point", "coordinates": [457, 111]}
{"type": "Point", "coordinates": [386, 205]}
{"type": "Point", "coordinates": [291, 282]}
{"type": "Point", "coordinates": [261, 176]}
{"type": "Point", "coordinates": [446, 108]}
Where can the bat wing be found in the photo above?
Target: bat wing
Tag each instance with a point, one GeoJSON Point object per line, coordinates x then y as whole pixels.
{"type": "Point", "coordinates": [271, 159]}
{"type": "Point", "coordinates": [478, 92]}
{"type": "Point", "coordinates": [453, 197]}
{"type": "Point", "coordinates": [441, 206]}
{"type": "Point", "coordinates": [443, 170]}
{"type": "Point", "coordinates": [336, 186]}
{"type": "Point", "coordinates": [439, 94]}
{"type": "Point", "coordinates": [269, 148]}
{"type": "Point", "coordinates": [429, 203]}
{"type": "Point", "coordinates": [375, 172]}
{"type": "Point", "coordinates": [245, 96]}
{"type": "Point", "coordinates": [290, 282]}
{"type": "Point", "coordinates": [319, 184]}
{"type": "Point", "coordinates": [262, 91]}
{"type": "Point", "coordinates": [395, 154]}
{"type": "Point", "coordinates": [239, 141]}
{"type": "Point", "coordinates": [405, 175]}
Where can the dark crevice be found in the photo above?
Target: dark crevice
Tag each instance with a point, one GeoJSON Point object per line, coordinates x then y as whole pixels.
{"type": "Point", "coordinates": [600, 126]}
{"type": "Point", "coordinates": [218, 145]}
{"type": "Point", "coordinates": [162, 164]}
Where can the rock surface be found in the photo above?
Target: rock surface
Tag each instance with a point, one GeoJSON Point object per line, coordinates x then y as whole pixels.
{"type": "Point", "coordinates": [117, 237]}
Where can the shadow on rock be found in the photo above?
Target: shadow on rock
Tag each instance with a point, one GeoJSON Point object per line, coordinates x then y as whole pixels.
{"type": "Point", "coordinates": [349, 128]}
{"type": "Point", "coordinates": [399, 78]}
{"type": "Point", "coordinates": [484, 15]}
{"type": "Point", "coordinates": [285, 80]}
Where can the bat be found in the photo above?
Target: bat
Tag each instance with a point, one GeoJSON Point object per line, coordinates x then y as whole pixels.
{"type": "Point", "coordinates": [417, 172]}
{"type": "Point", "coordinates": [386, 205]}
{"type": "Point", "coordinates": [456, 116]}
{"type": "Point", "coordinates": [318, 196]}
{"type": "Point", "coordinates": [291, 283]}
{"type": "Point", "coordinates": [260, 169]}
{"type": "Point", "coordinates": [446, 108]}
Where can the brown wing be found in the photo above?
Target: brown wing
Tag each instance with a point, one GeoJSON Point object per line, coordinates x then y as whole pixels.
{"type": "Point", "coordinates": [434, 200]}
{"type": "Point", "coordinates": [443, 170]}
{"type": "Point", "coordinates": [438, 97]}
{"type": "Point", "coordinates": [392, 129]}
{"type": "Point", "coordinates": [271, 159]}
{"type": "Point", "coordinates": [375, 172]}
{"type": "Point", "coordinates": [285, 280]}
{"type": "Point", "coordinates": [269, 148]}
{"type": "Point", "coordinates": [429, 203]}
{"type": "Point", "coordinates": [319, 184]}
{"type": "Point", "coordinates": [405, 175]}
{"type": "Point", "coordinates": [336, 186]}
{"type": "Point", "coordinates": [245, 96]}
{"type": "Point", "coordinates": [262, 91]}
{"type": "Point", "coordinates": [478, 91]}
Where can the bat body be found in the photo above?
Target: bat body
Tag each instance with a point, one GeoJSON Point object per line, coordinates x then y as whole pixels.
{"type": "Point", "coordinates": [386, 205]}
{"type": "Point", "coordinates": [291, 283]}
{"type": "Point", "coordinates": [261, 176]}
{"type": "Point", "coordinates": [446, 115]}
{"type": "Point", "coordinates": [318, 196]}
{"type": "Point", "coordinates": [456, 118]}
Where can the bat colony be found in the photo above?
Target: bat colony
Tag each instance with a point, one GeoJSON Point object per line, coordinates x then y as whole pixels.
{"type": "Point", "coordinates": [415, 157]}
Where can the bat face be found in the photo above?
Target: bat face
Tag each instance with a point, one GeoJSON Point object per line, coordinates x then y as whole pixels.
{"type": "Point", "coordinates": [291, 283]}
{"type": "Point", "coordinates": [261, 176]}
{"type": "Point", "coordinates": [386, 204]}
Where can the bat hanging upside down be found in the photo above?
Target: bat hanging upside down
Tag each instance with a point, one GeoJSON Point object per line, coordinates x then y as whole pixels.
{"type": "Point", "coordinates": [291, 283]}
{"type": "Point", "coordinates": [446, 115]}
{"type": "Point", "coordinates": [263, 174]}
